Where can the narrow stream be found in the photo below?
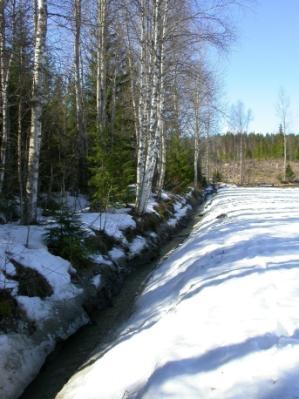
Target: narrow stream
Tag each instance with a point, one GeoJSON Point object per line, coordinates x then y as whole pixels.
{"type": "Point", "coordinates": [70, 355]}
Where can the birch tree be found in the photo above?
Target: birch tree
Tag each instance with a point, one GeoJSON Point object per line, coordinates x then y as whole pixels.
{"type": "Point", "coordinates": [151, 99]}
{"type": "Point", "coordinates": [164, 27]}
{"type": "Point", "coordinates": [78, 84]}
{"type": "Point", "coordinates": [239, 120]}
{"type": "Point", "coordinates": [36, 111]}
{"type": "Point", "coordinates": [101, 64]}
{"type": "Point", "coordinates": [6, 56]}
{"type": "Point", "coordinates": [283, 109]}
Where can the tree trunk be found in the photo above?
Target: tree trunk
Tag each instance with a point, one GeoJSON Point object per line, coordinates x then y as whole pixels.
{"type": "Point", "coordinates": [161, 107]}
{"type": "Point", "coordinates": [20, 158]}
{"type": "Point", "coordinates": [101, 65]}
{"type": "Point", "coordinates": [5, 67]}
{"type": "Point", "coordinates": [152, 150]}
{"type": "Point", "coordinates": [78, 84]}
{"type": "Point", "coordinates": [241, 159]}
{"type": "Point", "coordinates": [196, 136]}
{"type": "Point", "coordinates": [142, 135]}
{"type": "Point", "coordinates": [36, 112]}
{"type": "Point", "coordinates": [284, 155]}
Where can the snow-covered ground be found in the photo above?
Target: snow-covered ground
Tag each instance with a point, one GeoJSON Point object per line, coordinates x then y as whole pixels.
{"type": "Point", "coordinates": [220, 317]}
{"type": "Point", "coordinates": [60, 313]}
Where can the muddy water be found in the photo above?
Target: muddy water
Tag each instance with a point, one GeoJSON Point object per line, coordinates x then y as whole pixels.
{"type": "Point", "coordinates": [70, 355]}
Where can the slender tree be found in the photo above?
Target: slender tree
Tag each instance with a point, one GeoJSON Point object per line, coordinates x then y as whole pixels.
{"type": "Point", "coordinates": [240, 119]}
{"type": "Point", "coordinates": [36, 111]}
{"type": "Point", "coordinates": [282, 108]}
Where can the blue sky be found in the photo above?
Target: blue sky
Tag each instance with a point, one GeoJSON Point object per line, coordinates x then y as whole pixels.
{"type": "Point", "coordinates": [264, 58]}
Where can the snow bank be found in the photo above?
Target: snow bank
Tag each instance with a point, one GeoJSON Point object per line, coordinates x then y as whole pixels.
{"type": "Point", "coordinates": [112, 224]}
{"type": "Point", "coordinates": [56, 316]}
{"type": "Point", "coordinates": [181, 209]}
{"type": "Point", "coordinates": [220, 317]}
{"type": "Point", "coordinates": [60, 314]}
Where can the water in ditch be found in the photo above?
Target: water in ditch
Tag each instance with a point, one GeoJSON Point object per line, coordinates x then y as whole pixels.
{"type": "Point", "coordinates": [70, 355]}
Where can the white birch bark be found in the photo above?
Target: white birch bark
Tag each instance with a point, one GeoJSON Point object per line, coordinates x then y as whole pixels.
{"type": "Point", "coordinates": [196, 137]}
{"type": "Point", "coordinates": [141, 142]}
{"type": "Point", "coordinates": [78, 83]}
{"type": "Point", "coordinates": [151, 156]}
{"type": "Point", "coordinates": [36, 112]}
{"type": "Point", "coordinates": [101, 64]}
{"type": "Point", "coordinates": [156, 103]}
{"type": "Point", "coordinates": [161, 107]}
{"type": "Point", "coordinates": [155, 99]}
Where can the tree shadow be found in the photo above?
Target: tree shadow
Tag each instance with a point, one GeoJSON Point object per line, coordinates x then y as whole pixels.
{"type": "Point", "coordinates": [214, 359]}
{"type": "Point", "coordinates": [288, 388]}
{"type": "Point", "coordinates": [151, 303]}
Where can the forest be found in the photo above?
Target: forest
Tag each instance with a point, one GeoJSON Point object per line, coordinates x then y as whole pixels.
{"type": "Point", "coordinates": [109, 98]}
{"type": "Point", "coordinates": [114, 99]}
{"type": "Point", "coordinates": [148, 219]}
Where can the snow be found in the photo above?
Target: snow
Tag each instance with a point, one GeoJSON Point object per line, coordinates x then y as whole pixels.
{"type": "Point", "coordinates": [116, 253]}
{"type": "Point", "coordinates": [220, 317]}
{"type": "Point", "coordinates": [152, 203]}
{"type": "Point", "coordinates": [96, 280]}
{"type": "Point", "coordinates": [35, 307]}
{"type": "Point", "coordinates": [181, 209]}
{"type": "Point", "coordinates": [58, 315]}
{"type": "Point", "coordinates": [137, 245]}
{"type": "Point", "coordinates": [77, 202]}
{"type": "Point", "coordinates": [100, 259]}
{"type": "Point", "coordinates": [112, 223]}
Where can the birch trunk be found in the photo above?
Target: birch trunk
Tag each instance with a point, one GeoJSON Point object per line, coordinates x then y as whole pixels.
{"type": "Point", "coordinates": [133, 95]}
{"type": "Point", "coordinates": [101, 65]}
{"type": "Point", "coordinates": [78, 84]}
{"type": "Point", "coordinates": [207, 152]}
{"type": "Point", "coordinates": [162, 166]}
{"type": "Point", "coordinates": [5, 67]}
{"type": "Point", "coordinates": [36, 112]}
{"type": "Point", "coordinates": [151, 156]}
{"type": "Point", "coordinates": [196, 136]}
{"type": "Point", "coordinates": [141, 143]}
{"type": "Point", "coordinates": [161, 107]}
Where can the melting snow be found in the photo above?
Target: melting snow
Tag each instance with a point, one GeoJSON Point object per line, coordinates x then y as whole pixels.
{"type": "Point", "coordinates": [220, 317]}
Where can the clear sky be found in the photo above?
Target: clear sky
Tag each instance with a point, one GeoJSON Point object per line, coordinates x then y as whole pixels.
{"type": "Point", "coordinates": [264, 58]}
